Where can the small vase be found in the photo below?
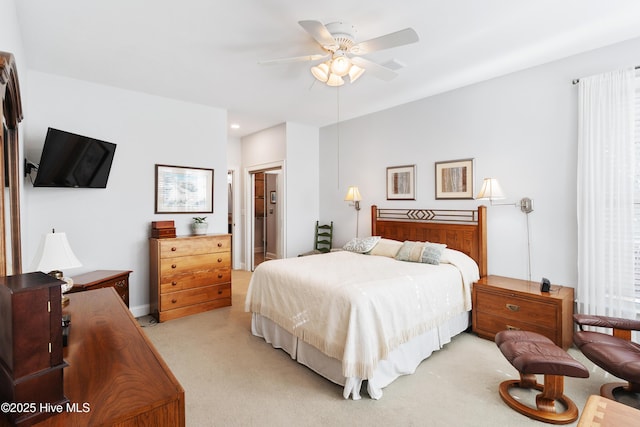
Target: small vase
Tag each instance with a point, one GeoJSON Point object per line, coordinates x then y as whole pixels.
{"type": "Point", "coordinates": [199, 227]}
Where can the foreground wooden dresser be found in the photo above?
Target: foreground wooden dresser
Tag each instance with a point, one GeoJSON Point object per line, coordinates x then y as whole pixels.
{"type": "Point", "coordinates": [189, 275]}
{"type": "Point", "coordinates": [118, 279]}
{"type": "Point", "coordinates": [501, 303]}
{"type": "Point", "coordinates": [115, 376]}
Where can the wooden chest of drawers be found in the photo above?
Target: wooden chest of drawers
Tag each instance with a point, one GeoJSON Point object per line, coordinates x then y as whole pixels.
{"type": "Point", "coordinates": [501, 303]}
{"type": "Point", "coordinates": [117, 279]}
{"type": "Point", "coordinates": [189, 275]}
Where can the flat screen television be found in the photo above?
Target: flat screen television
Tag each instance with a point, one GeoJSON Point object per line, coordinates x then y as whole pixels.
{"type": "Point", "coordinates": [70, 160]}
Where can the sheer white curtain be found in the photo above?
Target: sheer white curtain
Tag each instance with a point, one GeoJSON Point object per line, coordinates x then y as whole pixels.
{"type": "Point", "coordinates": [606, 164]}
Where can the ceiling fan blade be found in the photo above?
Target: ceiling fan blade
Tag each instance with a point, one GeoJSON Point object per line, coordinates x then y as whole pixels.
{"type": "Point", "coordinates": [375, 69]}
{"type": "Point", "coordinates": [294, 59]}
{"type": "Point", "coordinates": [399, 38]}
{"type": "Point", "coordinates": [319, 32]}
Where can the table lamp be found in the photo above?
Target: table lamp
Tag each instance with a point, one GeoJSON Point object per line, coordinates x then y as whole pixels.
{"type": "Point", "coordinates": [53, 255]}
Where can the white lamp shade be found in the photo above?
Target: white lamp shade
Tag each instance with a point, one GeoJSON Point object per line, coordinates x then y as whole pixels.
{"type": "Point", "coordinates": [491, 190]}
{"type": "Point", "coordinates": [55, 253]}
{"type": "Point", "coordinates": [321, 72]}
{"type": "Point", "coordinates": [353, 195]}
{"type": "Point", "coordinates": [335, 80]}
{"type": "Point", "coordinates": [340, 64]}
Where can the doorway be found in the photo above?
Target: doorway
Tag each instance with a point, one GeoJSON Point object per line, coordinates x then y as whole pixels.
{"type": "Point", "coordinates": [266, 224]}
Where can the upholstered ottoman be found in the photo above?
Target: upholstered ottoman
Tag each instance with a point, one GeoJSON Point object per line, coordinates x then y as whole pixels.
{"type": "Point", "coordinates": [531, 353]}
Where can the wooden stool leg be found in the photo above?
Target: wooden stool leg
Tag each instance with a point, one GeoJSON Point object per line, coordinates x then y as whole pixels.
{"type": "Point", "coordinates": [553, 390]}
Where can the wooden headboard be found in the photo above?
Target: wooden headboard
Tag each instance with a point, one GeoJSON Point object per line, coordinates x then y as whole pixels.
{"type": "Point", "coordinates": [462, 230]}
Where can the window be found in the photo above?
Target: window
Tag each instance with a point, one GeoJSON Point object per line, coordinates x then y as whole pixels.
{"type": "Point", "coordinates": [636, 225]}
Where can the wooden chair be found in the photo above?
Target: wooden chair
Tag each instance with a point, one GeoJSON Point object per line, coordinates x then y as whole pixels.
{"type": "Point", "coordinates": [324, 237]}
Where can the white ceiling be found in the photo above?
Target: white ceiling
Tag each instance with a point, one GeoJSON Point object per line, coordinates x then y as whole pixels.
{"type": "Point", "coordinates": [207, 51]}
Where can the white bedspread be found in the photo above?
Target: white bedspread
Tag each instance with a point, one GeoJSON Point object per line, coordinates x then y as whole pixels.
{"type": "Point", "coordinates": [358, 308]}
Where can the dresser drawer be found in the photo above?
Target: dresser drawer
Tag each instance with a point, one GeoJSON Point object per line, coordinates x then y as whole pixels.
{"type": "Point", "coordinates": [190, 264]}
{"type": "Point", "coordinates": [170, 248]}
{"type": "Point", "coordinates": [494, 324]}
{"type": "Point", "coordinates": [194, 296]}
{"type": "Point", "coordinates": [517, 309]}
{"type": "Point", "coordinates": [178, 282]}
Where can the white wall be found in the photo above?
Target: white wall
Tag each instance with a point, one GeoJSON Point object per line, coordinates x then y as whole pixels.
{"type": "Point", "coordinates": [520, 128]}
{"type": "Point", "coordinates": [302, 187]}
{"type": "Point", "coordinates": [295, 147]}
{"type": "Point", "coordinates": [109, 228]}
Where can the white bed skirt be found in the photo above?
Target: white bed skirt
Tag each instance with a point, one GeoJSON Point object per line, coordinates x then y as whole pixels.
{"type": "Point", "coordinates": [402, 361]}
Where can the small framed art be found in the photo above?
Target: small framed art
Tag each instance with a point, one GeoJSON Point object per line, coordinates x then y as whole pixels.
{"type": "Point", "coordinates": [454, 179]}
{"type": "Point", "coordinates": [401, 182]}
{"type": "Point", "coordinates": [183, 189]}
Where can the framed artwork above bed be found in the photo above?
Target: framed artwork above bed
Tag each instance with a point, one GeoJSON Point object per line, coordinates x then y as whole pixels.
{"type": "Point", "coordinates": [401, 182]}
{"type": "Point", "coordinates": [454, 179]}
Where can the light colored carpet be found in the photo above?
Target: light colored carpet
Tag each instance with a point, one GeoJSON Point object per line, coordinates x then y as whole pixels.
{"type": "Point", "coordinates": [232, 378]}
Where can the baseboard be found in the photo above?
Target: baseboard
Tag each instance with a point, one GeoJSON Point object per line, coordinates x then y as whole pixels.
{"type": "Point", "coordinates": [140, 310]}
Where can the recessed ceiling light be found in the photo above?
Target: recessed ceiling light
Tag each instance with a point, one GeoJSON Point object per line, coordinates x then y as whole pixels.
{"type": "Point", "coordinates": [235, 126]}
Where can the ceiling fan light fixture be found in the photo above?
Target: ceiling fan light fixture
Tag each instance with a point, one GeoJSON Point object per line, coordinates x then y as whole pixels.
{"type": "Point", "coordinates": [355, 72]}
{"type": "Point", "coordinates": [335, 80]}
{"type": "Point", "coordinates": [321, 71]}
{"type": "Point", "coordinates": [340, 64]}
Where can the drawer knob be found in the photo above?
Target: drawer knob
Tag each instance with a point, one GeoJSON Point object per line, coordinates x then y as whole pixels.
{"type": "Point", "coordinates": [513, 307]}
{"type": "Point", "coordinates": [173, 301]}
{"type": "Point", "coordinates": [173, 266]}
{"type": "Point", "coordinates": [219, 291]}
{"type": "Point", "coordinates": [174, 283]}
{"type": "Point", "coordinates": [512, 328]}
{"type": "Point", "coordinates": [219, 244]}
{"type": "Point", "coordinates": [219, 275]}
{"type": "Point", "coordinates": [219, 259]}
{"type": "Point", "coordinates": [173, 249]}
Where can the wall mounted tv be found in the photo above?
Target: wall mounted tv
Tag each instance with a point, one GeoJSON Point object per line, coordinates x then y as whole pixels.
{"type": "Point", "coordinates": [70, 160]}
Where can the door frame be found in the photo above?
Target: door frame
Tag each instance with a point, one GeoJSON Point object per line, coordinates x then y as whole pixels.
{"type": "Point", "coordinates": [249, 222]}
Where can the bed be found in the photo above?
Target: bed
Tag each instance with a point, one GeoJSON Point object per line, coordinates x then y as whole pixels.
{"type": "Point", "coordinates": [352, 317]}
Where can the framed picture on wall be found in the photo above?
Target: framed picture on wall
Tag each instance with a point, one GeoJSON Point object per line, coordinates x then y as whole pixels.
{"type": "Point", "coordinates": [182, 189]}
{"type": "Point", "coordinates": [401, 182]}
{"type": "Point", "coordinates": [454, 179]}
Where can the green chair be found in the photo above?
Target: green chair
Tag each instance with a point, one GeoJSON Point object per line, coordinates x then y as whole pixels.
{"type": "Point", "coordinates": [324, 237]}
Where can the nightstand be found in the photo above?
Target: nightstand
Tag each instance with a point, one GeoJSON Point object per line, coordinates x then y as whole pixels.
{"type": "Point", "coordinates": [502, 303]}
{"type": "Point", "coordinates": [117, 279]}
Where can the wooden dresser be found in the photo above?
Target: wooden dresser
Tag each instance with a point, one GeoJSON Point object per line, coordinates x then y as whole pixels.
{"type": "Point", "coordinates": [115, 375]}
{"type": "Point", "coordinates": [189, 275]}
{"type": "Point", "coordinates": [501, 303]}
{"type": "Point", "coordinates": [117, 279]}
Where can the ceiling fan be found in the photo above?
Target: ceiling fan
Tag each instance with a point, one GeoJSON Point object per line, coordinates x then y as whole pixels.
{"type": "Point", "coordinates": [343, 55]}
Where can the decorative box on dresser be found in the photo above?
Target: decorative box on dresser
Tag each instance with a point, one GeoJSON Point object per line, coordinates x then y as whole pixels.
{"type": "Point", "coordinates": [501, 303]}
{"type": "Point", "coordinates": [189, 274]}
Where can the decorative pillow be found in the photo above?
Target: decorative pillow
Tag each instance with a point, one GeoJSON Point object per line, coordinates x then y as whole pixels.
{"type": "Point", "coordinates": [386, 247]}
{"type": "Point", "coordinates": [361, 245]}
{"type": "Point", "coordinates": [410, 251]}
{"type": "Point", "coordinates": [432, 253]}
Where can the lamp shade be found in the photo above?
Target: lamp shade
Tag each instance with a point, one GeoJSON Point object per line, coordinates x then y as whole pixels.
{"type": "Point", "coordinates": [353, 195]}
{"type": "Point", "coordinates": [491, 190]}
{"type": "Point", "coordinates": [55, 253]}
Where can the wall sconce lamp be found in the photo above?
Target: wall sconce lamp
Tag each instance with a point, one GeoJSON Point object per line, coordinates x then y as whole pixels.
{"type": "Point", "coordinates": [353, 195]}
{"type": "Point", "coordinates": [53, 255]}
{"type": "Point", "coordinates": [491, 191]}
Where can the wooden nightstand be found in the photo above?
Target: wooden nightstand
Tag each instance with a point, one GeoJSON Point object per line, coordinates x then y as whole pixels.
{"type": "Point", "coordinates": [501, 303]}
{"type": "Point", "coordinates": [117, 279]}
